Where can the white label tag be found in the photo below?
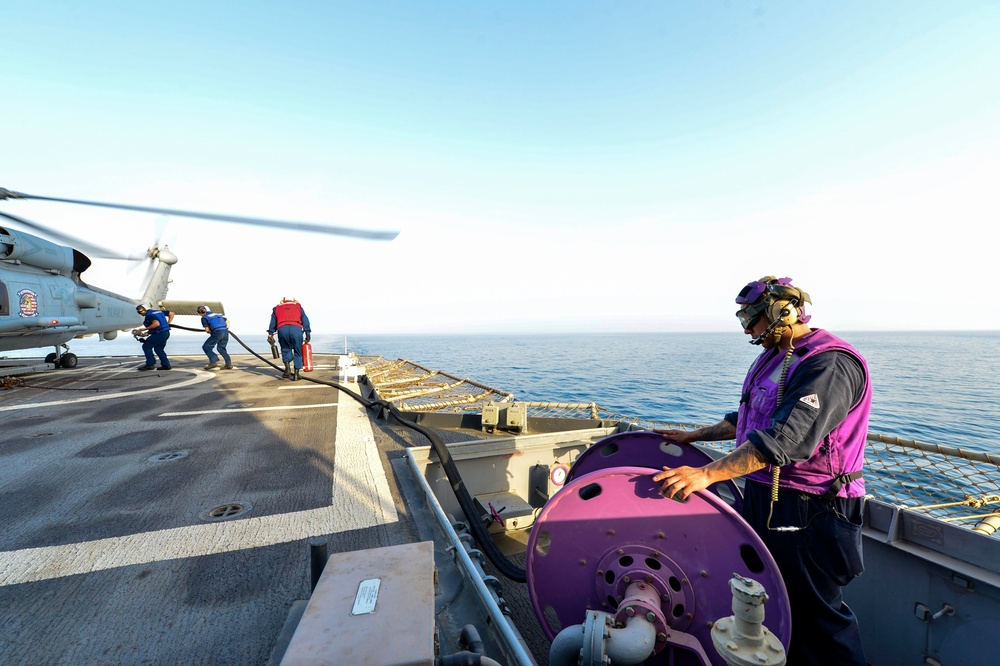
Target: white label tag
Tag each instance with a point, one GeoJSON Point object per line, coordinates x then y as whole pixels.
{"type": "Point", "coordinates": [364, 602]}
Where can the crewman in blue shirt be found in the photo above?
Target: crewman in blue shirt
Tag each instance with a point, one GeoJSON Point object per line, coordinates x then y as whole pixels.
{"type": "Point", "coordinates": [217, 327]}
{"type": "Point", "coordinates": [157, 325]}
{"type": "Point", "coordinates": [290, 322]}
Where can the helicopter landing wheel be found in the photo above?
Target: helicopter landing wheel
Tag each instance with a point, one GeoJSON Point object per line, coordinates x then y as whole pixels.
{"type": "Point", "coordinates": [51, 358]}
{"type": "Point", "coordinates": [69, 360]}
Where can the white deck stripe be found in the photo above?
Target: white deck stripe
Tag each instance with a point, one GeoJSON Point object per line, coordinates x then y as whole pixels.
{"type": "Point", "coordinates": [360, 499]}
{"type": "Point", "coordinates": [361, 496]}
{"type": "Point", "coordinates": [250, 409]}
{"type": "Point", "coordinates": [200, 376]}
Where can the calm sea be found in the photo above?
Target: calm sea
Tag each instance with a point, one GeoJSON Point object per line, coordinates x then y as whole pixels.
{"type": "Point", "coordinates": [936, 387]}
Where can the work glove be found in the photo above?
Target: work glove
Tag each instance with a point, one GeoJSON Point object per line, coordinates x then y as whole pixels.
{"type": "Point", "coordinates": [308, 337]}
{"type": "Point", "coordinates": [270, 339]}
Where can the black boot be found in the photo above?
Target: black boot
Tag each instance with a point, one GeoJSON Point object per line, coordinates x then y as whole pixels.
{"type": "Point", "coordinates": [288, 371]}
{"type": "Point", "coordinates": [295, 375]}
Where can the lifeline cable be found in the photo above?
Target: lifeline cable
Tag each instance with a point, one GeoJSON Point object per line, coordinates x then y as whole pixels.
{"type": "Point", "coordinates": [492, 551]}
{"type": "Point", "coordinates": [776, 470]}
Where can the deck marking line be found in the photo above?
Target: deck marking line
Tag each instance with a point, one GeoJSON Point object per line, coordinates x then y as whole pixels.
{"type": "Point", "coordinates": [248, 409]}
{"type": "Point", "coordinates": [35, 564]}
{"type": "Point", "coordinates": [200, 376]}
{"type": "Point", "coordinates": [360, 498]}
{"type": "Point", "coordinates": [361, 494]}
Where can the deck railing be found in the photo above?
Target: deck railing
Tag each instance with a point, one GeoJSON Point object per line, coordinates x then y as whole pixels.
{"type": "Point", "coordinates": [946, 482]}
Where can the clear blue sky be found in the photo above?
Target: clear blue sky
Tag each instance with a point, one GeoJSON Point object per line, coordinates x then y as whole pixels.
{"type": "Point", "coordinates": [567, 166]}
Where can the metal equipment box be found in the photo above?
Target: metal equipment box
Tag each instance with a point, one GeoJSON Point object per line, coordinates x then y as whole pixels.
{"type": "Point", "coordinates": [506, 416]}
{"type": "Point", "coordinates": [370, 608]}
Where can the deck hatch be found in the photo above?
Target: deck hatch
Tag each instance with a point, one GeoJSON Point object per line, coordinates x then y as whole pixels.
{"type": "Point", "coordinates": [226, 511]}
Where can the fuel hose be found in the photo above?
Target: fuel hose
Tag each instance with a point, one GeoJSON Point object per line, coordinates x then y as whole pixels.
{"type": "Point", "coordinates": [503, 564]}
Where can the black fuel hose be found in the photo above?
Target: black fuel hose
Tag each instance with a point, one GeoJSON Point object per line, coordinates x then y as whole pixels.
{"type": "Point", "coordinates": [503, 564]}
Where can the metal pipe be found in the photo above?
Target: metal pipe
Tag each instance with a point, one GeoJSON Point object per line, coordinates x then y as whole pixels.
{"type": "Point", "coordinates": [501, 623]}
{"type": "Point", "coordinates": [625, 646]}
{"type": "Point", "coordinates": [631, 644]}
{"type": "Point", "coordinates": [318, 556]}
{"type": "Point", "coordinates": [566, 646]}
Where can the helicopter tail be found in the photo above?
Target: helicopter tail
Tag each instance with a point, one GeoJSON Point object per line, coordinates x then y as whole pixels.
{"type": "Point", "coordinates": [156, 290]}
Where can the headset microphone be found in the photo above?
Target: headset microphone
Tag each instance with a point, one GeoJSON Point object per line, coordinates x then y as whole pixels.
{"type": "Point", "coordinates": [767, 331]}
{"type": "Point", "coordinates": [785, 317]}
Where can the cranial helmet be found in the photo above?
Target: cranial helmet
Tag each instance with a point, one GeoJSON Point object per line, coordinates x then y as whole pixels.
{"type": "Point", "coordinates": [141, 308]}
{"type": "Point", "coordinates": [775, 298]}
{"type": "Point", "coordinates": [202, 309]}
{"type": "Point", "coordinates": [285, 299]}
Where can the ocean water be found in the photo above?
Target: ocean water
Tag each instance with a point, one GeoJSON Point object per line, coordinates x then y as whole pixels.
{"type": "Point", "coordinates": [935, 387]}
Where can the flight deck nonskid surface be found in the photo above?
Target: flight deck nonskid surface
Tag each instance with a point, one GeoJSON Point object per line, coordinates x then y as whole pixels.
{"type": "Point", "coordinates": [165, 517]}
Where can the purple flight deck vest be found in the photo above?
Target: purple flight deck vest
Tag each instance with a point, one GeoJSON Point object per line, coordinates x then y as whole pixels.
{"type": "Point", "coordinates": [840, 452]}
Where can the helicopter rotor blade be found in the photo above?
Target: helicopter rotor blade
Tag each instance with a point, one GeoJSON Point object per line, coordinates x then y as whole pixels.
{"type": "Point", "coordinates": [149, 274]}
{"type": "Point", "coordinates": [138, 259]}
{"type": "Point", "coordinates": [160, 229]}
{"type": "Point", "coordinates": [256, 221]}
{"type": "Point", "coordinates": [148, 256]}
{"type": "Point", "coordinates": [79, 244]}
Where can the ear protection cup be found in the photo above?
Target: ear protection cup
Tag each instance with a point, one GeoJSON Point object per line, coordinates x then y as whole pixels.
{"type": "Point", "coordinates": [777, 299]}
{"type": "Point", "coordinates": [784, 311]}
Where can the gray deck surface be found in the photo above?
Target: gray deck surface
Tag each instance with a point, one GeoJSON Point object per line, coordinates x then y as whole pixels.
{"type": "Point", "coordinates": [109, 553]}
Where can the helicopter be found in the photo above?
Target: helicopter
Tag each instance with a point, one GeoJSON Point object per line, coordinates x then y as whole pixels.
{"type": "Point", "coordinates": [44, 301]}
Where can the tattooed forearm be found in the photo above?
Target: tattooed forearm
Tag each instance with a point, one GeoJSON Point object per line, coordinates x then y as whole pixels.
{"type": "Point", "coordinates": [719, 431]}
{"type": "Point", "coordinates": [742, 461]}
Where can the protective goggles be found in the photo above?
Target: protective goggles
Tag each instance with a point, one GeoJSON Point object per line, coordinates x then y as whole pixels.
{"type": "Point", "coordinates": [750, 315]}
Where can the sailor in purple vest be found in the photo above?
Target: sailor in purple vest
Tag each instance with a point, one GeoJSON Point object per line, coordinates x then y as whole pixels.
{"type": "Point", "coordinates": [802, 425]}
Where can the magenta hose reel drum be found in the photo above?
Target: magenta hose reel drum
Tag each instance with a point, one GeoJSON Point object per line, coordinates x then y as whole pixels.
{"type": "Point", "coordinates": [609, 528]}
{"type": "Point", "coordinates": [644, 448]}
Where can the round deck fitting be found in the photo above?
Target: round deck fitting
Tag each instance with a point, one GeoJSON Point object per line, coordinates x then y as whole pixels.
{"type": "Point", "coordinates": [226, 511]}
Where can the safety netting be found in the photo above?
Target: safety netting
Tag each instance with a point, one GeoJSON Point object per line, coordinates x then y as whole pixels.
{"type": "Point", "coordinates": [946, 482]}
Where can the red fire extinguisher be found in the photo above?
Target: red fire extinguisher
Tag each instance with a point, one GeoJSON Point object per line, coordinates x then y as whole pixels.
{"type": "Point", "coordinates": [307, 357]}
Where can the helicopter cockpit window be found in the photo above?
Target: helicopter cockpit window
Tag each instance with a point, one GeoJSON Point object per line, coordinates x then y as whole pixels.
{"type": "Point", "coordinates": [4, 301]}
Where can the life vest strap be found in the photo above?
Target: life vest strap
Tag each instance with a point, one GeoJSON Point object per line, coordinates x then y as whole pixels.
{"type": "Point", "coordinates": [838, 483]}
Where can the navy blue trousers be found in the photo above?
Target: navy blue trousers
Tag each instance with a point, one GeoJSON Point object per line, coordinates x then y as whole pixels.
{"type": "Point", "coordinates": [816, 563]}
{"type": "Point", "coordinates": [290, 338]}
{"type": "Point", "coordinates": [155, 343]}
{"type": "Point", "coordinates": [220, 338]}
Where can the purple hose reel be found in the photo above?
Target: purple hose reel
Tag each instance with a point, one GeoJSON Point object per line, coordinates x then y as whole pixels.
{"type": "Point", "coordinates": [643, 448]}
{"type": "Point", "coordinates": [609, 528]}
